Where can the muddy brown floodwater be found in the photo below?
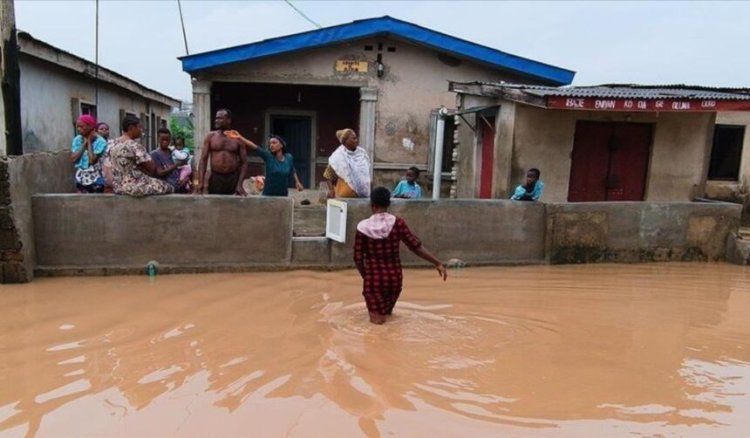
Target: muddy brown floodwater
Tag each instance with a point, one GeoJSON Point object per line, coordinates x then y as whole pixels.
{"type": "Point", "coordinates": [596, 350]}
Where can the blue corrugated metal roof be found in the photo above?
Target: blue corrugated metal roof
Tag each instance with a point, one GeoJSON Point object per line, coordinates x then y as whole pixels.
{"type": "Point", "coordinates": [382, 26]}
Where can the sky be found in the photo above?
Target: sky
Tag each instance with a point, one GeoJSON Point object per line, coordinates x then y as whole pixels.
{"type": "Point", "coordinates": [671, 42]}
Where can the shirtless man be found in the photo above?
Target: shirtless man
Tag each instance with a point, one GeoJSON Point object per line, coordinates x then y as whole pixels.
{"type": "Point", "coordinates": [228, 160]}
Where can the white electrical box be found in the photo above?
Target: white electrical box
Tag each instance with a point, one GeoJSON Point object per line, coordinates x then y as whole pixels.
{"type": "Point", "coordinates": [336, 220]}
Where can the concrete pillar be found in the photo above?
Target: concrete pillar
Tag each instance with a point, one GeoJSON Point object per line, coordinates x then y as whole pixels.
{"type": "Point", "coordinates": [10, 78]}
{"type": "Point", "coordinates": [201, 113]}
{"type": "Point", "coordinates": [505, 124]}
{"type": "Point", "coordinates": [368, 98]}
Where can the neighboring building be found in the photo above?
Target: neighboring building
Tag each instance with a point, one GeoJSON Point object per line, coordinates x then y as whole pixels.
{"type": "Point", "coordinates": [57, 87]}
{"type": "Point", "coordinates": [601, 143]}
{"type": "Point", "coordinates": [381, 77]}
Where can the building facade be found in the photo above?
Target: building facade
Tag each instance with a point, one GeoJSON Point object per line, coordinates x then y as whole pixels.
{"type": "Point", "coordinates": [602, 143]}
{"type": "Point", "coordinates": [382, 77]}
{"type": "Point", "coordinates": [57, 87]}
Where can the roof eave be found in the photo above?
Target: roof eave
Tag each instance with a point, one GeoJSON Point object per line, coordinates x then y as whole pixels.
{"type": "Point", "coordinates": [384, 26]}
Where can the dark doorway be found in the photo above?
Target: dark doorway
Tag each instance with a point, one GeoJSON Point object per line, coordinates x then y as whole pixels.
{"type": "Point", "coordinates": [297, 131]}
{"type": "Point", "coordinates": [609, 162]}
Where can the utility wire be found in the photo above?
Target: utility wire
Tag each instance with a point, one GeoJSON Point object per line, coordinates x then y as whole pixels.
{"type": "Point", "coordinates": [96, 61]}
{"type": "Point", "coordinates": [302, 14]}
{"type": "Point", "coordinates": [182, 22]}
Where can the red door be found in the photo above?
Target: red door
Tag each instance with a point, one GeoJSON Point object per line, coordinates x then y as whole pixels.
{"type": "Point", "coordinates": [609, 162]}
{"type": "Point", "coordinates": [488, 157]}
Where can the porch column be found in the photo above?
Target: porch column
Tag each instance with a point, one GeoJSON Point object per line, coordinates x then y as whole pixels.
{"type": "Point", "coordinates": [368, 98]}
{"type": "Point", "coordinates": [505, 125]}
{"type": "Point", "coordinates": [201, 113]}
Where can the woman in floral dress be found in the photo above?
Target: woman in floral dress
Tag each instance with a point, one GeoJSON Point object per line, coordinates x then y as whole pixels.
{"type": "Point", "coordinates": [131, 166]}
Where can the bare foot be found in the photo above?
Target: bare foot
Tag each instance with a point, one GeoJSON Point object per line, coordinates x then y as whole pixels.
{"type": "Point", "coordinates": [377, 318]}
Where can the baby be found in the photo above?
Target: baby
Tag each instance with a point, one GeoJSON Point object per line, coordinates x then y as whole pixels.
{"type": "Point", "coordinates": [180, 154]}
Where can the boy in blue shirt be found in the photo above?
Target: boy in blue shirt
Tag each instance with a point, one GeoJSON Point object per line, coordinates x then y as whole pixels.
{"type": "Point", "coordinates": [532, 190]}
{"type": "Point", "coordinates": [408, 188]}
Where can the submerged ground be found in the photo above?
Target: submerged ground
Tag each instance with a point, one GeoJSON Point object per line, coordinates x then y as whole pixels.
{"type": "Point", "coordinates": [540, 350]}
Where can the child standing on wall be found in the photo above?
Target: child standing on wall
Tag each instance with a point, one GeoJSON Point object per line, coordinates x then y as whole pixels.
{"type": "Point", "coordinates": [376, 254]}
{"type": "Point", "coordinates": [408, 187]}
{"type": "Point", "coordinates": [532, 190]}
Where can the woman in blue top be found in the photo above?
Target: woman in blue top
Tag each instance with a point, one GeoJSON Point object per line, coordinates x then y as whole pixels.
{"type": "Point", "coordinates": [279, 164]}
{"type": "Point", "coordinates": [86, 150]}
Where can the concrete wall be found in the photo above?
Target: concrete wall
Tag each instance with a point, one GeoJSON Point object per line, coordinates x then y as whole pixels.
{"type": "Point", "coordinates": [477, 231]}
{"type": "Point", "coordinates": [108, 234]}
{"type": "Point", "coordinates": [544, 139]}
{"type": "Point", "coordinates": [180, 232]}
{"type": "Point", "coordinates": [415, 81]}
{"type": "Point", "coordinates": [20, 178]}
{"type": "Point", "coordinates": [639, 232]}
{"type": "Point", "coordinates": [47, 114]}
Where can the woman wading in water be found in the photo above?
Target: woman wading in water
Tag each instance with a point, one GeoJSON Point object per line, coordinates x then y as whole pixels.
{"type": "Point", "coordinates": [376, 253]}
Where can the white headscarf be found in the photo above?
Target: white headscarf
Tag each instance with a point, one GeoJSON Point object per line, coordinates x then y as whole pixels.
{"type": "Point", "coordinates": [353, 167]}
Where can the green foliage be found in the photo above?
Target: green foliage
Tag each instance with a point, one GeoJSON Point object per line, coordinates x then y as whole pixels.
{"type": "Point", "coordinates": [183, 127]}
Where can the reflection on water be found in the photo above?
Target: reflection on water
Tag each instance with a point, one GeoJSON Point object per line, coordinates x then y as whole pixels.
{"type": "Point", "coordinates": [542, 350]}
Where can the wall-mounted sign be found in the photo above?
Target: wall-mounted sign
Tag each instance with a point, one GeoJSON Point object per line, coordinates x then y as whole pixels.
{"type": "Point", "coordinates": [649, 105]}
{"type": "Point", "coordinates": [351, 66]}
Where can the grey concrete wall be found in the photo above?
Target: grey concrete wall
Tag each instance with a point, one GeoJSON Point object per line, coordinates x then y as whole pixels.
{"type": "Point", "coordinates": [639, 232]}
{"type": "Point", "coordinates": [476, 231]}
{"type": "Point", "coordinates": [103, 234]}
{"type": "Point", "coordinates": [119, 232]}
{"type": "Point", "coordinates": [20, 178]}
{"type": "Point", "coordinates": [47, 113]}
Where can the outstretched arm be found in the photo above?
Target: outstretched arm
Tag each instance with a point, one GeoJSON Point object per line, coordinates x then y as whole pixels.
{"type": "Point", "coordinates": [415, 245]}
{"type": "Point", "coordinates": [422, 252]}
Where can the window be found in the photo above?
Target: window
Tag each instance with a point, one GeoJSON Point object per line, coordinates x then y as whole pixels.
{"type": "Point", "coordinates": [726, 153]}
{"type": "Point", "coordinates": [87, 108]}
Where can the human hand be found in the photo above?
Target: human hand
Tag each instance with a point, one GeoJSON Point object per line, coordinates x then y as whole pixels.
{"type": "Point", "coordinates": [442, 271]}
{"type": "Point", "coordinates": [299, 187]}
{"type": "Point", "coordinates": [180, 163]}
{"type": "Point", "coordinates": [240, 191]}
{"type": "Point", "coordinates": [232, 134]}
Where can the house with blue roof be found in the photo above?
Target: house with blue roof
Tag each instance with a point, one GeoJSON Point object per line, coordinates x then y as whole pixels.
{"type": "Point", "coordinates": [383, 77]}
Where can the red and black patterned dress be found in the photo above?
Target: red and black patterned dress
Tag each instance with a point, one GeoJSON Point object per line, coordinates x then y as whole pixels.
{"type": "Point", "coordinates": [380, 262]}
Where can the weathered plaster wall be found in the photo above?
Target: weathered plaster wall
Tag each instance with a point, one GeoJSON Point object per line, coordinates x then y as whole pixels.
{"type": "Point", "coordinates": [677, 165]}
{"type": "Point", "coordinates": [679, 156]}
{"type": "Point", "coordinates": [20, 178]}
{"type": "Point", "coordinates": [478, 231]}
{"type": "Point", "coordinates": [415, 81]}
{"type": "Point", "coordinates": [639, 231]}
{"type": "Point", "coordinates": [47, 112]}
{"type": "Point", "coordinates": [120, 232]}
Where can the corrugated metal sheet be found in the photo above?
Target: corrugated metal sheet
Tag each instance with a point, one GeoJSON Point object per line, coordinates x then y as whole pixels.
{"type": "Point", "coordinates": [631, 91]}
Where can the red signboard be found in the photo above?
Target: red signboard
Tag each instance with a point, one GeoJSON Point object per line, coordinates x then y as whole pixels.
{"type": "Point", "coordinates": [648, 105]}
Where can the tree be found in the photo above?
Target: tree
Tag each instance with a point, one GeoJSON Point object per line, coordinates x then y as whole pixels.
{"type": "Point", "coordinates": [183, 127]}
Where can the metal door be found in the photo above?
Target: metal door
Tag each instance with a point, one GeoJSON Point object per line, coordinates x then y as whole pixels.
{"type": "Point", "coordinates": [297, 131]}
{"type": "Point", "coordinates": [609, 162]}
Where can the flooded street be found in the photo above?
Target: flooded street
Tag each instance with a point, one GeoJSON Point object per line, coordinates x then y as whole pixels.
{"type": "Point", "coordinates": [596, 350]}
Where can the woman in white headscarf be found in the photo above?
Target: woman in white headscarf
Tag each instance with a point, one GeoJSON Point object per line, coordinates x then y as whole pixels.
{"type": "Point", "coordinates": [348, 171]}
